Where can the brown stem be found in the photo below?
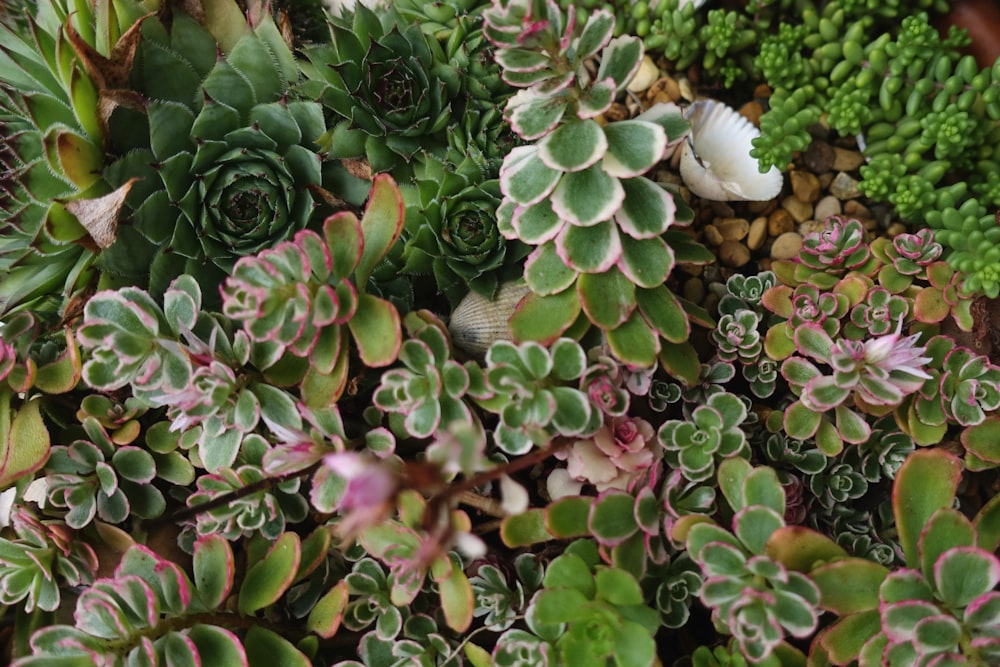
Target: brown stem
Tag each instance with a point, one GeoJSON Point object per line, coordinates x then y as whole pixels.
{"type": "Point", "coordinates": [482, 503]}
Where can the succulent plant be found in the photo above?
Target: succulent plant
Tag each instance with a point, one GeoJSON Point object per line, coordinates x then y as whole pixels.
{"type": "Point", "coordinates": [612, 457]}
{"type": "Point", "coordinates": [42, 553]}
{"type": "Point", "coordinates": [391, 83]}
{"type": "Point", "coordinates": [226, 154]}
{"type": "Point", "coordinates": [712, 433]}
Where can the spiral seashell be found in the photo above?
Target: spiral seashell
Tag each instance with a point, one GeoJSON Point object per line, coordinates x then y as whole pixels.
{"type": "Point", "coordinates": [478, 322]}
{"type": "Point", "coordinates": [715, 159]}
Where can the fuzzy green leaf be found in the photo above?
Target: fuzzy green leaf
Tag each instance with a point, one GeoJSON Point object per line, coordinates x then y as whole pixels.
{"type": "Point", "coordinates": [381, 224]}
{"type": "Point", "coordinates": [587, 197]}
{"type": "Point", "coordinates": [647, 263]}
{"type": "Point", "coordinates": [376, 330]}
{"type": "Point", "coordinates": [634, 146]}
{"type": "Point", "coordinates": [568, 517]}
{"type": "Point", "coordinates": [634, 343]}
{"type": "Point", "coordinates": [267, 580]}
{"type": "Point", "coordinates": [544, 318]}
{"type": "Point", "coordinates": [524, 529]}
{"type": "Point", "coordinates": [525, 178]}
{"type": "Point", "coordinates": [611, 517]}
{"type": "Point", "coordinates": [607, 298]}
{"type": "Point", "coordinates": [946, 528]}
{"type": "Point", "coordinates": [589, 249]}
{"type": "Point", "coordinates": [963, 574]}
{"type": "Point", "coordinates": [925, 483]}
{"type": "Point", "coordinates": [573, 146]}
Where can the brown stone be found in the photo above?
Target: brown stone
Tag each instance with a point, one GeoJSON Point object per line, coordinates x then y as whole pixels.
{"type": "Point", "coordinates": [786, 246]}
{"type": "Point", "coordinates": [779, 222]}
{"type": "Point", "coordinates": [734, 254]}
{"type": "Point", "coordinates": [856, 209]}
{"type": "Point", "coordinates": [752, 111]}
{"type": "Point", "coordinates": [712, 235]}
{"type": "Point", "coordinates": [757, 234]}
{"type": "Point", "coordinates": [664, 89]}
{"type": "Point", "coordinates": [733, 229]}
{"type": "Point", "coordinates": [694, 290]}
{"type": "Point", "coordinates": [845, 160]}
{"type": "Point", "coordinates": [819, 157]}
{"type": "Point", "coordinates": [827, 206]}
{"type": "Point", "coordinates": [805, 185]}
{"type": "Point", "coordinates": [895, 229]}
{"type": "Point", "coordinates": [799, 210]}
{"type": "Point", "coordinates": [844, 187]}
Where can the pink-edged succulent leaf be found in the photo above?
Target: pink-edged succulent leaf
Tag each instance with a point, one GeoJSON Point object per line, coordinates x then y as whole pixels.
{"type": "Point", "coordinates": [611, 519]}
{"type": "Point", "coordinates": [268, 579]}
{"type": "Point", "coordinates": [524, 178]}
{"type": "Point", "coordinates": [589, 249]}
{"type": "Point", "coordinates": [647, 263]}
{"type": "Point", "coordinates": [828, 438]}
{"type": "Point", "coordinates": [800, 422]}
{"type": "Point", "coordinates": [537, 223]}
{"type": "Point", "coordinates": [681, 361]}
{"type": "Point", "coordinates": [754, 525]}
{"type": "Point", "coordinates": [947, 528]}
{"type": "Point", "coordinates": [964, 573]}
{"type": "Point", "coordinates": [267, 649]}
{"type": "Point", "coordinates": [569, 516]}
{"type": "Point", "coordinates": [597, 32]}
{"type": "Point", "coordinates": [621, 60]}
{"type": "Point", "coordinates": [851, 426]}
{"type": "Point", "coordinates": [664, 313]}
{"type": "Point", "coordinates": [525, 529]}
{"type": "Point", "coordinates": [545, 318]}
{"type": "Point", "coordinates": [596, 98]}
{"type": "Point", "coordinates": [799, 548]}
{"type": "Point", "coordinates": [546, 273]}
{"type": "Point", "coordinates": [925, 483]}
{"type": "Point", "coordinates": [634, 147]}
{"type": "Point", "coordinates": [376, 330]}
{"type": "Point", "coordinates": [325, 617]}
{"type": "Point", "coordinates": [812, 341]}
{"type": "Point", "coordinates": [588, 197]}
{"type": "Point", "coordinates": [381, 225]}
{"type": "Point", "coordinates": [929, 306]}
{"type": "Point", "coordinates": [521, 60]}
{"type": "Point", "coordinates": [344, 244]}
{"type": "Point", "coordinates": [536, 117]}
{"type": "Point", "coordinates": [218, 645]}
{"type": "Point", "coordinates": [24, 439]}
{"type": "Point", "coordinates": [849, 585]}
{"type": "Point", "coordinates": [732, 475]}
{"type": "Point", "coordinates": [634, 342]}
{"type": "Point", "coordinates": [457, 600]}
{"type": "Point", "coordinates": [214, 566]}
{"type": "Point", "coordinates": [987, 525]}
{"type": "Point", "coordinates": [573, 146]}
{"type": "Point", "coordinates": [983, 439]}
{"type": "Point", "coordinates": [822, 393]}
{"type": "Point", "coordinates": [844, 639]}
{"type": "Point", "coordinates": [647, 210]}
{"type": "Point", "coordinates": [607, 298]}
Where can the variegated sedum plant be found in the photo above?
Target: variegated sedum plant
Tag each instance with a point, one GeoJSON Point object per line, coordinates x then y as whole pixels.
{"type": "Point", "coordinates": [242, 423]}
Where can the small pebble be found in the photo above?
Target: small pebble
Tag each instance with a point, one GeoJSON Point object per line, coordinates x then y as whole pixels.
{"type": "Point", "coordinates": [734, 254]}
{"type": "Point", "coordinates": [786, 246]}
{"type": "Point", "coordinates": [732, 229]}
{"type": "Point", "coordinates": [845, 160]}
{"type": "Point", "coordinates": [694, 290]}
{"type": "Point", "coordinates": [856, 209]}
{"type": "Point", "coordinates": [827, 206]}
{"type": "Point", "coordinates": [811, 226]}
{"type": "Point", "coordinates": [712, 235]}
{"type": "Point", "coordinates": [752, 111]}
{"type": "Point", "coordinates": [644, 78]}
{"type": "Point", "coordinates": [844, 187]}
{"type": "Point", "coordinates": [764, 263]}
{"type": "Point", "coordinates": [779, 222]}
{"type": "Point", "coordinates": [825, 179]}
{"type": "Point", "coordinates": [761, 207]}
{"type": "Point", "coordinates": [757, 234]}
{"type": "Point", "coordinates": [819, 157]}
{"type": "Point", "coordinates": [805, 185]}
{"type": "Point", "coordinates": [895, 229]}
{"type": "Point", "coordinates": [798, 209]}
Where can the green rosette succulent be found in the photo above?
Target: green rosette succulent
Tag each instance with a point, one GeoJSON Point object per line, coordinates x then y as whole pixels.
{"type": "Point", "coordinates": [451, 217]}
{"type": "Point", "coordinates": [230, 166]}
{"type": "Point", "coordinates": [390, 82]}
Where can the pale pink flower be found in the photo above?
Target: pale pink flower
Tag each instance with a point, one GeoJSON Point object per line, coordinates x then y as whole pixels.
{"type": "Point", "coordinates": [619, 452]}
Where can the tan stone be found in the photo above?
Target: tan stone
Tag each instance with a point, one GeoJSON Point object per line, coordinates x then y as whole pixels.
{"type": "Point", "coordinates": [827, 206]}
{"type": "Point", "coordinates": [712, 235]}
{"type": "Point", "coordinates": [798, 209]}
{"type": "Point", "coordinates": [844, 187]}
{"type": "Point", "coordinates": [895, 229]}
{"type": "Point", "coordinates": [694, 290]}
{"type": "Point", "coordinates": [732, 229]}
{"type": "Point", "coordinates": [786, 246]}
{"type": "Point", "coordinates": [845, 160]}
{"type": "Point", "coordinates": [734, 254]}
{"type": "Point", "coordinates": [805, 185]}
{"type": "Point", "coordinates": [757, 234]}
{"type": "Point", "coordinates": [644, 78]}
{"type": "Point", "coordinates": [819, 157]}
{"type": "Point", "coordinates": [856, 209]}
{"type": "Point", "coordinates": [811, 226]}
{"type": "Point", "coordinates": [779, 222]}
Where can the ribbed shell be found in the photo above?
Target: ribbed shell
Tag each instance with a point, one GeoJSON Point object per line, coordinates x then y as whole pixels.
{"type": "Point", "coordinates": [478, 322]}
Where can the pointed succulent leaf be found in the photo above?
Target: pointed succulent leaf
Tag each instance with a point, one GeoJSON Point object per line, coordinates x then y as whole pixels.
{"type": "Point", "coordinates": [525, 178]}
{"type": "Point", "coordinates": [588, 197]}
{"type": "Point", "coordinates": [326, 616]}
{"type": "Point", "coordinates": [213, 569]}
{"type": "Point", "coordinates": [925, 483]}
{"type": "Point", "coordinates": [573, 146]}
{"type": "Point", "coordinates": [268, 579]}
{"type": "Point", "coordinates": [634, 343]}
{"type": "Point", "coordinates": [660, 307]}
{"type": "Point", "coordinates": [621, 60]}
{"type": "Point", "coordinates": [24, 439]}
{"type": "Point", "coordinates": [266, 649]}
{"type": "Point", "coordinates": [381, 225]}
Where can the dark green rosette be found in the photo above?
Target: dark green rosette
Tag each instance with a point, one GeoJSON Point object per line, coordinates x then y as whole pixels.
{"type": "Point", "coordinates": [452, 230]}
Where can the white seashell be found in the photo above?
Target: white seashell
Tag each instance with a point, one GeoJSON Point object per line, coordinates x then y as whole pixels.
{"type": "Point", "coordinates": [715, 158]}
{"type": "Point", "coordinates": [478, 322]}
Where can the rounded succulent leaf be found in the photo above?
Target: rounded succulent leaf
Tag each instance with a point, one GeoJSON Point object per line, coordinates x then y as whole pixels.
{"type": "Point", "coordinates": [573, 146]}
{"type": "Point", "coordinates": [962, 574]}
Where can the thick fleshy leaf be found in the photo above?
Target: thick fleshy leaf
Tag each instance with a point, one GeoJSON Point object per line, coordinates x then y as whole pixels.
{"type": "Point", "coordinates": [962, 574]}
{"type": "Point", "coordinates": [457, 600]}
{"type": "Point", "coordinates": [983, 439]}
{"type": "Point", "coordinates": [647, 210]}
{"type": "Point", "coordinates": [633, 342]}
{"type": "Point", "coordinates": [947, 528]}
{"type": "Point", "coordinates": [634, 147]}
{"type": "Point", "coordinates": [596, 99]}
{"type": "Point", "coordinates": [545, 318]}
{"type": "Point", "coordinates": [647, 263]}
{"type": "Point", "coordinates": [268, 579]}
{"type": "Point", "coordinates": [754, 526]}
{"type": "Point", "coordinates": [573, 146]}
{"type": "Point", "coordinates": [24, 439]}
{"type": "Point", "coordinates": [267, 649]}
{"type": "Point", "coordinates": [213, 569]}
{"type": "Point", "coordinates": [800, 422]}
{"type": "Point", "coordinates": [537, 223]}
{"type": "Point", "coordinates": [607, 298]}
{"type": "Point", "coordinates": [325, 617]}
{"type": "Point", "coordinates": [343, 247]}
{"type": "Point", "coordinates": [611, 518]}
{"type": "Point", "coordinates": [525, 178]}
{"type": "Point", "coordinates": [217, 646]}
{"type": "Point", "coordinates": [844, 639]}
{"type": "Point", "coordinates": [799, 548]}
{"type": "Point", "coordinates": [621, 60]}
{"type": "Point", "coordinates": [597, 32]}
{"type": "Point", "coordinates": [536, 117]}
{"type": "Point", "coordinates": [664, 313]}
{"type": "Point", "coordinates": [589, 249]}
{"type": "Point", "coordinates": [376, 330]}
{"type": "Point", "coordinates": [521, 60]}
{"type": "Point", "coordinates": [849, 585]}
{"type": "Point", "coordinates": [381, 224]}
{"type": "Point", "coordinates": [681, 361]}
{"type": "Point", "coordinates": [524, 529]}
{"type": "Point", "coordinates": [588, 197]}
{"type": "Point", "coordinates": [546, 272]}
{"type": "Point", "coordinates": [925, 483]}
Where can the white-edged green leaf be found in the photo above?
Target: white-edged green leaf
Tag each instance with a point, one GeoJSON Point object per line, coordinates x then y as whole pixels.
{"type": "Point", "coordinates": [536, 116]}
{"type": "Point", "coordinates": [537, 223]}
{"type": "Point", "coordinates": [621, 60]}
{"type": "Point", "coordinates": [634, 146]}
{"type": "Point", "coordinates": [607, 298]}
{"type": "Point", "coordinates": [589, 249]}
{"type": "Point", "coordinates": [573, 146]}
{"type": "Point", "coordinates": [647, 263]}
{"type": "Point", "coordinates": [588, 197]}
{"type": "Point", "coordinates": [597, 32]}
{"type": "Point", "coordinates": [525, 178]}
{"type": "Point", "coordinates": [647, 210]}
{"type": "Point", "coordinates": [545, 271]}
